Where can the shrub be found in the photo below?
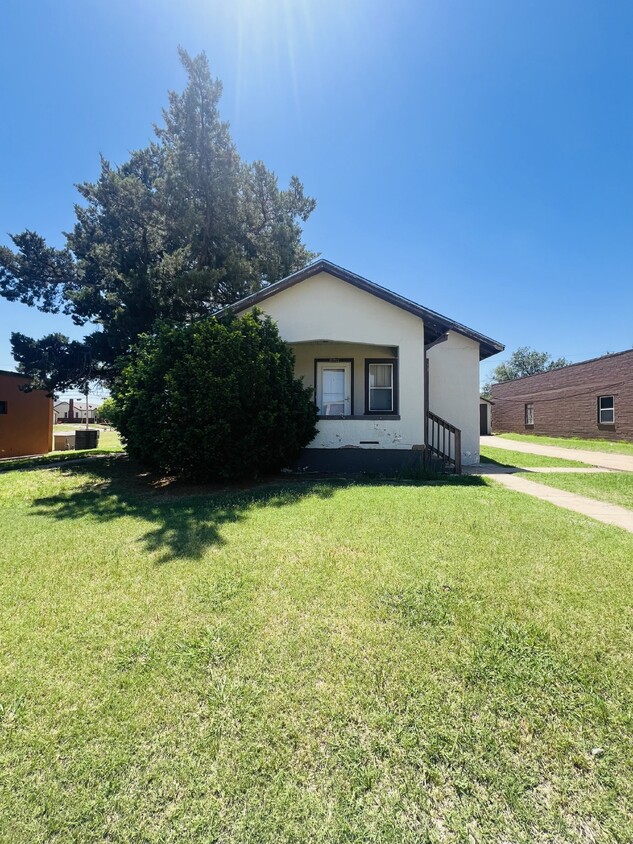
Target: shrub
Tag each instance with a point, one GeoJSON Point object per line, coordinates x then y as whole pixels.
{"type": "Point", "coordinates": [214, 400]}
{"type": "Point", "coordinates": [106, 411]}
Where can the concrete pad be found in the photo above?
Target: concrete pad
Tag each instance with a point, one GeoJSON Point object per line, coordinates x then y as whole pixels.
{"type": "Point", "coordinates": [618, 462]}
{"type": "Point", "coordinates": [610, 514]}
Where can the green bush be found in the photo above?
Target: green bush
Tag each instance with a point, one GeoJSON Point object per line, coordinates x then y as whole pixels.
{"type": "Point", "coordinates": [106, 411]}
{"type": "Point", "coordinates": [214, 400]}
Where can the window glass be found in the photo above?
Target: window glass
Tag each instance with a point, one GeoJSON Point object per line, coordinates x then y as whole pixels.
{"type": "Point", "coordinates": [606, 409]}
{"type": "Point", "coordinates": [3, 407]}
{"type": "Point", "coordinates": [529, 414]}
{"type": "Point", "coordinates": [381, 387]}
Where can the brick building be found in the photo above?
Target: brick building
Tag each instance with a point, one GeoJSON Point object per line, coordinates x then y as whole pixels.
{"type": "Point", "coordinates": [593, 398]}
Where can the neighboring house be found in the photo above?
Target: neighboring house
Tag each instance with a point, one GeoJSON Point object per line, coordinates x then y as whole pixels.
{"type": "Point", "coordinates": [74, 411]}
{"type": "Point", "coordinates": [593, 398]}
{"type": "Point", "coordinates": [392, 380]}
{"type": "Point", "coordinates": [26, 418]}
{"type": "Point", "coordinates": [485, 416]}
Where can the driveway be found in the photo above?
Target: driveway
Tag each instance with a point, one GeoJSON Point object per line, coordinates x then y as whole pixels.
{"type": "Point", "coordinates": [619, 462]}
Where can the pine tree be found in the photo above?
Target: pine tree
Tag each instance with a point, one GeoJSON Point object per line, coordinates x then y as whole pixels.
{"type": "Point", "coordinates": [182, 228]}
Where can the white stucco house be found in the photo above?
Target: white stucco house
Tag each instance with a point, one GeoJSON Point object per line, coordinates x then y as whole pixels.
{"type": "Point", "coordinates": [395, 383]}
{"type": "Point", "coordinates": [74, 410]}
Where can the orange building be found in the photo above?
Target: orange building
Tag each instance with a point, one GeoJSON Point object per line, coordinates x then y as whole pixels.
{"type": "Point", "coordinates": [26, 419]}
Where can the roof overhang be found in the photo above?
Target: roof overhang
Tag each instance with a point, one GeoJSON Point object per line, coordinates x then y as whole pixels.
{"type": "Point", "coordinates": [435, 324]}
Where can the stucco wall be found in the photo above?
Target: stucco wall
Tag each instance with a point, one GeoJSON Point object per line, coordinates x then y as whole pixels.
{"type": "Point", "coordinates": [454, 389]}
{"type": "Point", "coordinates": [324, 308]}
{"type": "Point", "coordinates": [27, 427]}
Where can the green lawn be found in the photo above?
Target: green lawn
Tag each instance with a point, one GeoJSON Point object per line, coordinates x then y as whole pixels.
{"type": "Point", "coordinates": [564, 442]}
{"type": "Point", "coordinates": [615, 487]}
{"type": "Point", "coordinates": [109, 443]}
{"type": "Point", "coordinates": [504, 457]}
{"type": "Point", "coordinates": [109, 439]}
{"type": "Point", "coordinates": [309, 662]}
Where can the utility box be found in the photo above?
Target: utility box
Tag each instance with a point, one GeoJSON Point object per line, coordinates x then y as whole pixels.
{"type": "Point", "coordinates": [64, 441]}
{"type": "Point", "coordinates": [86, 438]}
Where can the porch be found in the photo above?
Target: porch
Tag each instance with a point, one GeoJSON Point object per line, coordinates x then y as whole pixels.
{"type": "Point", "coordinates": [372, 409]}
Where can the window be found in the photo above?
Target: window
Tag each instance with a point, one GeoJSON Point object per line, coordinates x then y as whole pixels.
{"type": "Point", "coordinates": [529, 414]}
{"type": "Point", "coordinates": [380, 386]}
{"type": "Point", "coordinates": [606, 410]}
{"type": "Point", "coordinates": [3, 408]}
{"type": "Point", "coordinates": [334, 387]}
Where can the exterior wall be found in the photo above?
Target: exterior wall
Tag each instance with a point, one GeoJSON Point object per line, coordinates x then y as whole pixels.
{"type": "Point", "coordinates": [454, 389]}
{"type": "Point", "coordinates": [565, 400]}
{"type": "Point", "coordinates": [27, 427]}
{"type": "Point", "coordinates": [324, 310]}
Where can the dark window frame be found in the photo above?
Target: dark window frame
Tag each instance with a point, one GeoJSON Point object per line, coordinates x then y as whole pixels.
{"type": "Point", "coordinates": [601, 409]}
{"type": "Point", "coordinates": [528, 414]}
{"type": "Point", "coordinates": [317, 361]}
{"type": "Point", "coordinates": [395, 391]}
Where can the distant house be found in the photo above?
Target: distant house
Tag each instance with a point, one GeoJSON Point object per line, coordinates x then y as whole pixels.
{"type": "Point", "coordinates": [74, 410]}
{"type": "Point", "coordinates": [393, 381]}
{"type": "Point", "coordinates": [593, 398]}
{"type": "Point", "coordinates": [26, 417]}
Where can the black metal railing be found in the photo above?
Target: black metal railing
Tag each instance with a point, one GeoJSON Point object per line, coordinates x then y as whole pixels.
{"type": "Point", "coordinates": [444, 441]}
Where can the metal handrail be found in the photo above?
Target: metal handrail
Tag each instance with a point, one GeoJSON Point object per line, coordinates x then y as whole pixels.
{"type": "Point", "coordinates": [444, 441]}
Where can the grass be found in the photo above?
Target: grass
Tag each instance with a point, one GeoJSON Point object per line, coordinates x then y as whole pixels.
{"type": "Point", "coordinates": [109, 443]}
{"type": "Point", "coordinates": [614, 487]}
{"type": "Point", "coordinates": [504, 457]}
{"type": "Point", "coordinates": [563, 442]}
{"type": "Point", "coordinates": [309, 662]}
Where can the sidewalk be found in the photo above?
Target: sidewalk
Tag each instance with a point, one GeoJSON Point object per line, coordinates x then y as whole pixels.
{"type": "Point", "coordinates": [618, 462]}
{"type": "Point", "coordinates": [493, 469]}
{"type": "Point", "coordinates": [610, 514]}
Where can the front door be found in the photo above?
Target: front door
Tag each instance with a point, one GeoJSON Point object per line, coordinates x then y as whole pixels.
{"type": "Point", "coordinates": [334, 393]}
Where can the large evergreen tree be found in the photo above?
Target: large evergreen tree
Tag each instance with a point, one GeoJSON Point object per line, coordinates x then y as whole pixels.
{"type": "Point", "coordinates": [183, 227]}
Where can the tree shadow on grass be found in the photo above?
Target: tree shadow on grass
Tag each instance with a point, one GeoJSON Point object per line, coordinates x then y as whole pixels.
{"type": "Point", "coordinates": [187, 519]}
{"type": "Point", "coordinates": [491, 462]}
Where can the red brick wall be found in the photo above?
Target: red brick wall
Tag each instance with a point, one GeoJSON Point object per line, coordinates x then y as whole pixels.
{"type": "Point", "coordinates": [565, 400]}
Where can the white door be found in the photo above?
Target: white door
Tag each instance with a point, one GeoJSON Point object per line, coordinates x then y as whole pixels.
{"type": "Point", "coordinates": [334, 389]}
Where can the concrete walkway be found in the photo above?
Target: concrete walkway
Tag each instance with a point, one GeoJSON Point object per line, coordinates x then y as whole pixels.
{"type": "Point", "coordinates": [618, 462]}
{"type": "Point", "coordinates": [610, 514]}
{"type": "Point", "coordinates": [493, 469]}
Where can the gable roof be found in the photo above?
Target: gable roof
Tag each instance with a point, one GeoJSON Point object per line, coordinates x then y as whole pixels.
{"type": "Point", "coordinates": [435, 324]}
{"type": "Point", "coordinates": [78, 405]}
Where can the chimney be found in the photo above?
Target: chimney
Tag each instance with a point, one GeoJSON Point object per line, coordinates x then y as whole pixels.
{"type": "Point", "coordinates": [71, 409]}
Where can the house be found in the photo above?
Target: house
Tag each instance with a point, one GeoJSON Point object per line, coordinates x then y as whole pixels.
{"type": "Point", "coordinates": [26, 417]}
{"type": "Point", "coordinates": [593, 398]}
{"type": "Point", "coordinates": [74, 411]}
{"type": "Point", "coordinates": [394, 382]}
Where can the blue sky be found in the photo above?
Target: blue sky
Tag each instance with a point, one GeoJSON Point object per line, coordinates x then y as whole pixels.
{"type": "Point", "coordinates": [476, 157]}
